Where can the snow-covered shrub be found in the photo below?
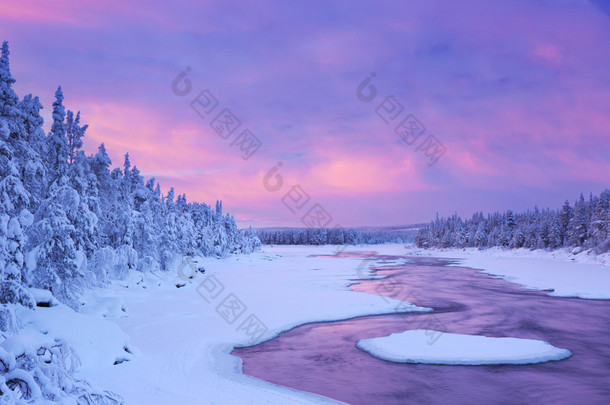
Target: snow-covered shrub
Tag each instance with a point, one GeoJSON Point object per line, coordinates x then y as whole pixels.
{"type": "Point", "coordinates": [22, 385]}
{"type": "Point", "coordinates": [148, 264]}
{"type": "Point", "coordinates": [7, 361]}
{"type": "Point", "coordinates": [11, 292]}
{"type": "Point", "coordinates": [9, 323]}
{"type": "Point", "coordinates": [32, 371]}
{"type": "Point", "coordinates": [127, 260]}
{"type": "Point", "coordinates": [102, 264]}
{"type": "Point", "coordinates": [604, 247]}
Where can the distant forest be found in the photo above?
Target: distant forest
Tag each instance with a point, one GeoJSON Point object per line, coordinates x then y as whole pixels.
{"type": "Point", "coordinates": [338, 235]}
{"type": "Point", "coordinates": [582, 225]}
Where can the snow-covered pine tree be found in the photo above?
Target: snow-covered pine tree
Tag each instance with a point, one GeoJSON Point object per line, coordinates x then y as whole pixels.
{"type": "Point", "coordinates": [598, 228]}
{"type": "Point", "coordinates": [147, 226]}
{"type": "Point", "coordinates": [482, 234]}
{"type": "Point", "coordinates": [8, 97]}
{"type": "Point", "coordinates": [577, 227]}
{"type": "Point", "coordinates": [555, 233]}
{"type": "Point", "coordinates": [57, 143]}
{"type": "Point", "coordinates": [57, 261]}
{"type": "Point", "coordinates": [32, 149]}
{"type": "Point", "coordinates": [14, 197]}
{"type": "Point", "coordinates": [86, 217]}
{"type": "Point", "coordinates": [169, 234]}
{"type": "Point", "coordinates": [74, 134]}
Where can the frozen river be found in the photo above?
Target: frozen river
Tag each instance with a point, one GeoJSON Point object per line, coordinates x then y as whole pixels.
{"type": "Point", "coordinates": [322, 358]}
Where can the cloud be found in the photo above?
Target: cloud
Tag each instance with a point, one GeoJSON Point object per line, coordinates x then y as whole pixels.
{"type": "Point", "coordinates": [518, 92]}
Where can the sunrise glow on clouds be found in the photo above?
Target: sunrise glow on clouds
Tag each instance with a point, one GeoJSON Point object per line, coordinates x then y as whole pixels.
{"type": "Point", "coordinates": [517, 91]}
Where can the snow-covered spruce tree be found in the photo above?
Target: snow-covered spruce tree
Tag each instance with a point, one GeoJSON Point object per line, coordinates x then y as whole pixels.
{"type": "Point", "coordinates": [185, 224]}
{"type": "Point", "coordinates": [598, 237]}
{"type": "Point", "coordinates": [14, 203]}
{"type": "Point", "coordinates": [219, 230]}
{"type": "Point", "coordinates": [58, 263]}
{"type": "Point", "coordinates": [250, 241]}
{"type": "Point", "coordinates": [32, 148]}
{"type": "Point", "coordinates": [169, 234]}
{"type": "Point", "coordinates": [126, 255]}
{"type": "Point", "coordinates": [58, 260]}
{"type": "Point", "coordinates": [556, 233]}
{"type": "Point", "coordinates": [201, 215]}
{"type": "Point", "coordinates": [57, 144]}
{"type": "Point", "coordinates": [147, 210]}
{"type": "Point", "coordinates": [74, 134]}
{"type": "Point", "coordinates": [577, 227]}
{"type": "Point", "coordinates": [14, 197]}
{"type": "Point", "coordinates": [86, 218]}
{"type": "Point", "coordinates": [8, 97]}
{"type": "Point", "coordinates": [481, 235]}
{"type": "Point", "coordinates": [107, 192]}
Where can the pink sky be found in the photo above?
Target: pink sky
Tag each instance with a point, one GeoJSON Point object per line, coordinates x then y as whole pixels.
{"type": "Point", "coordinates": [517, 92]}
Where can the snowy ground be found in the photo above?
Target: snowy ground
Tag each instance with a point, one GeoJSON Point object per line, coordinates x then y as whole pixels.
{"type": "Point", "coordinates": [172, 345]}
{"type": "Point", "coordinates": [413, 346]}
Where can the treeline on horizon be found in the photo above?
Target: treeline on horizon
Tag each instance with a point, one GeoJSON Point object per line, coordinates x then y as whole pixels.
{"type": "Point", "coordinates": [68, 221]}
{"type": "Point", "coordinates": [336, 236]}
{"type": "Point", "coordinates": [583, 225]}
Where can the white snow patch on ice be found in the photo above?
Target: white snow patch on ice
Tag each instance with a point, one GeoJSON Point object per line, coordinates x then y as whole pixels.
{"type": "Point", "coordinates": [413, 346]}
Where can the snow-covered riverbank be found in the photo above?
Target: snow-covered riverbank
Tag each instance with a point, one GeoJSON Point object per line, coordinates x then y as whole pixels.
{"type": "Point", "coordinates": [180, 343]}
{"type": "Point", "coordinates": [171, 336]}
{"type": "Point", "coordinates": [560, 272]}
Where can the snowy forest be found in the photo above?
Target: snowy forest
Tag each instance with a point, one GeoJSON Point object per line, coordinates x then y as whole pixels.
{"type": "Point", "coordinates": [68, 221]}
{"type": "Point", "coordinates": [585, 225]}
{"type": "Point", "coordinates": [336, 236]}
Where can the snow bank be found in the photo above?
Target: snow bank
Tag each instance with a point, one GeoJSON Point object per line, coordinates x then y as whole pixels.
{"type": "Point", "coordinates": [97, 342]}
{"type": "Point", "coordinates": [413, 346]}
{"type": "Point", "coordinates": [561, 273]}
